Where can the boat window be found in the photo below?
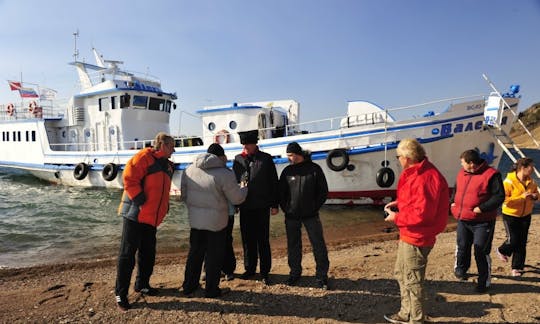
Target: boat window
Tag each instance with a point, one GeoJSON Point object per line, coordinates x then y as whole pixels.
{"type": "Point", "coordinates": [103, 104]}
{"type": "Point", "coordinates": [232, 124]}
{"type": "Point", "coordinates": [113, 102]}
{"type": "Point", "coordinates": [211, 126]}
{"type": "Point", "coordinates": [124, 101]}
{"type": "Point", "coordinates": [33, 136]}
{"type": "Point", "coordinates": [168, 106]}
{"type": "Point", "coordinates": [140, 101]}
{"type": "Point", "coordinates": [156, 104]}
{"type": "Point", "coordinates": [18, 136]}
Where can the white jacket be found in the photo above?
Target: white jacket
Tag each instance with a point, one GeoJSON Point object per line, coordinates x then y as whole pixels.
{"type": "Point", "coordinates": [207, 186]}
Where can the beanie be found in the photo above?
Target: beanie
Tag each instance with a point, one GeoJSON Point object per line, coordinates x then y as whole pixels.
{"type": "Point", "coordinates": [249, 137]}
{"type": "Point", "coordinates": [216, 149]}
{"type": "Point", "coordinates": [295, 148]}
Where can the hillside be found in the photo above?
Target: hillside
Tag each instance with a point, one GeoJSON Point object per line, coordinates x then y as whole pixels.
{"type": "Point", "coordinates": [531, 118]}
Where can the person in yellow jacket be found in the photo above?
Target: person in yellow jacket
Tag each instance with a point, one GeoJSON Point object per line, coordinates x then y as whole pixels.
{"type": "Point", "coordinates": [521, 193]}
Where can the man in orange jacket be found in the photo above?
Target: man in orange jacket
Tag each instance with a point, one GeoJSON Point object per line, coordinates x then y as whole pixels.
{"type": "Point", "coordinates": [145, 202]}
{"type": "Point", "coordinates": [420, 212]}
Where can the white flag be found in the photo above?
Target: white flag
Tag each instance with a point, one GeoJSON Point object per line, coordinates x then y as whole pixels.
{"type": "Point", "coordinates": [47, 94]}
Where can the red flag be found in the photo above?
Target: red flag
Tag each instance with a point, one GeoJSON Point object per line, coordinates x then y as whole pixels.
{"type": "Point", "coordinates": [13, 85]}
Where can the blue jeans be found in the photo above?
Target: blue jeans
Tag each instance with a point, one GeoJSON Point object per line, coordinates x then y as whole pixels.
{"type": "Point", "coordinates": [479, 234]}
{"type": "Point", "coordinates": [294, 245]}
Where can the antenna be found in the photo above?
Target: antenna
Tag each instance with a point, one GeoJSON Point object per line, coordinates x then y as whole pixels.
{"type": "Point", "coordinates": [76, 51]}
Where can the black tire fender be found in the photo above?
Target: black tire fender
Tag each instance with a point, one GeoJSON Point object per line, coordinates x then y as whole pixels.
{"type": "Point", "coordinates": [337, 153]}
{"type": "Point", "coordinates": [385, 177]}
{"type": "Point", "coordinates": [81, 171]}
{"type": "Point", "coordinates": [110, 171]}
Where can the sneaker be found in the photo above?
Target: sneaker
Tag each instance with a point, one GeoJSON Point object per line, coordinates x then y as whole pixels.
{"type": "Point", "coordinates": [188, 292]}
{"type": "Point", "coordinates": [228, 276]}
{"type": "Point", "coordinates": [217, 293]}
{"type": "Point", "coordinates": [516, 273]}
{"type": "Point", "coordinates": [322, 283]}
{"type": "Point", "coordinates": [292, 280]}
{"type": "Point", "coordinates": [395, 318]}
{"type": "Point", "coordinates": [501, 256]}
{"type": "Point", "coordinates": [460, 274]}
{"type": "Point", "coordinates": [148, 291]}
{"type": "Point", "coordinates": [122, 303]}
{"type": "Point", "coordinates": [247, 275]}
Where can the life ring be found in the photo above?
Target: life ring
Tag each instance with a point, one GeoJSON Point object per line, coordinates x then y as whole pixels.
{"type": "Point", "coordinates": [81, 171]}
{"type": "Point", "coordinates": [10, 109]}
{"type": "Point", "coordinates": [110, 171]}
{"type": "Point", "coordinates": [337, 153]}
{"type": "Point", "coordinates": [222, 137]}
{"type": "Point", "coordinates": [32, 106]}
{"type": "Point", "coordinates": [385, 177]}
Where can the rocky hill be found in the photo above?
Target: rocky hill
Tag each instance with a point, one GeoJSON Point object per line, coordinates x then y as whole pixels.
{"type": "Point", "coordinates": [531, 118]}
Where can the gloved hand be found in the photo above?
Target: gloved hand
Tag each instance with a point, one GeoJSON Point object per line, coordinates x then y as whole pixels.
{"type": "Point", "coordinates": [140, 199]}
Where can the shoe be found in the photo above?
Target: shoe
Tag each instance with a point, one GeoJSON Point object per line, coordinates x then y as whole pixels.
{"type": "Point", "coordinates": [189, 292]}
{"type": "Point", "coordinates": [122, 303]}
{"type": "Point", "coordinates": [292, 280]}
{"type": "Point", "coordinates": [516, 273]}
{"type": "Point", "coordinates": [247, 275]}
{"type": "Point", "coordinates": [501, 256]}
{"type": "Point", "coordinates": [148, 291]}
{"type": "Point", "coordinates": [395, 318]}
{"type": "Point", "coordinates": [460, 274]}
{"type": "Point", "coordinates": [217, 293]}
{"type": "Point", "coordinates": [322, 283]}
{"type": "Point", "coordinates": [228, 276]}
{"type": "Point", "coordinates": [480, 288]}
{"type": "Point", "coordinates": [266, 280]}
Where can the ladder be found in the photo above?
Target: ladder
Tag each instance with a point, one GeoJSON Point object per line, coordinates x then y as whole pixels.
{"type": "Point", "coordinates": [500, 136]}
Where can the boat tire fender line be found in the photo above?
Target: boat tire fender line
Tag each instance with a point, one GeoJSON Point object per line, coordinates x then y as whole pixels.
{"type": "Point", "coordinates": [337, 153]}
{"type": "Point", "coordinates": [81, 171]}
{"type": "Point", "coordinates": [222, 137]}
{"type": "Point", "coordinates": [385, 177]}
{"type": "Point", "coordinates": [10, 109]}
{"type": "Point", "coordinates": [110, 171]}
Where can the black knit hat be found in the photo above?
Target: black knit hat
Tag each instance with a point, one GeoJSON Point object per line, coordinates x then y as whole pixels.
{"type": "Point", "coordinates": [249, 137]}
{"type": "Point", "coordinates": [295, 148]}
{"type": "Point", "coordinates": [216, 149]}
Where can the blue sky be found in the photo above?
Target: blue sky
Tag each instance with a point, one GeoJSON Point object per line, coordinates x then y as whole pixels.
{"type": "Point", "coordinates": [320, 53]}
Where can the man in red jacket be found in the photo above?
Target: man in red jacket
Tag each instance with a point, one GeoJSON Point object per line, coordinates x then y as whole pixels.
{"type": "Point", "coordinates": [145, 202]}
{"type": "Point", "coordinates": [420, 212]}
{"type": "Point", "coordinates": [479, 193]}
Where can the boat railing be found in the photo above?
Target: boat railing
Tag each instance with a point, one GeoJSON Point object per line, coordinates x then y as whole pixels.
{"type": "Point", "coordinates": [97, 77]}
{"type": "Point", "coordinates": [45, 109]}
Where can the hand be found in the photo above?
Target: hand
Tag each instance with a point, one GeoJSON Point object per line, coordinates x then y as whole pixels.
{"type": "Point", "coordinates": [477, 210]}
{"type": "Point", "coordinates": [273, 211]}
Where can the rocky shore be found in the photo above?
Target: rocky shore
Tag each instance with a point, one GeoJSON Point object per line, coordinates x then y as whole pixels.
{"type": "Point", "coordinates": [362, 288]}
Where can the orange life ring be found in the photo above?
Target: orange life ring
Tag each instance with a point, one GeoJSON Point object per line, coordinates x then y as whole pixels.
{"type": "Point", "coordinates": [10, 109]}
{"type": "Point", "coordinates": [32, 105]}
{"type": "Point", "coordinates": [222, 137]}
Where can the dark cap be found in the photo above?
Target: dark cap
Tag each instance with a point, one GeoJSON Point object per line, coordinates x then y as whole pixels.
{"type": "Point", "coordinates": [216, 149]}
{"type": "Point", "coordinates": [249, 137]}
{"type": "Point", "coordinates": [295, 148]}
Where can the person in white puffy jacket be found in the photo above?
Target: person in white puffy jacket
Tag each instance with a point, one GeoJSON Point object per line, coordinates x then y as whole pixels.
{"type": "Point", "coordinates": [207, 187]}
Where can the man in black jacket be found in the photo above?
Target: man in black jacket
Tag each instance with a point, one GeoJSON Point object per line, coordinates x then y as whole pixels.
{"type": "Point", "coordinates": [303, 190]}
{"type": "Point", "coordinates": [257, 170]}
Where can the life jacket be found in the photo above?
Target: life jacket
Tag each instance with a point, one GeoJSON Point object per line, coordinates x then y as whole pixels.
{"type": "Point", "coordinates": [472, 189]}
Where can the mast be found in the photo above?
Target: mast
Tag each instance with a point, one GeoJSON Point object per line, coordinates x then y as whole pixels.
{"type": "Point", "coordinates": [75, 51]}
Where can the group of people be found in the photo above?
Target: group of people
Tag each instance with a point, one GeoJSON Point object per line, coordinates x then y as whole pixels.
{"type": "Point", "coordinates": [422, 208]}
{"type": "Point", "coordinates": [213, 194]}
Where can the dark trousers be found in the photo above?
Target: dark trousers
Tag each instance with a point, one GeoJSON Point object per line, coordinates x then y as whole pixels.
{"type": "Point", "coordinates": [517, 231]}
{"type": "Point", "coordinates": [209, 247]}
{"type": "Point", "coordinates": [229, 260]}
{"type": "Point", "coordinates": [255, 230]}
{"type": "Point", "coordinates": [294, 245]}
{"type": "Point", "coordinates": [481, 235]}
{"type": "Point", "coordinates": [135, 237]}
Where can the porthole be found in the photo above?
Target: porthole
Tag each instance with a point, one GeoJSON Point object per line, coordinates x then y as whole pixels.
{"type": "Point", "coordinates": [211, 126]}
{"type": "Point", "coordinates": [232, 124]}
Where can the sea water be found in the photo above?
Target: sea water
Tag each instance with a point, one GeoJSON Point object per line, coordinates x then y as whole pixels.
{"type": "Point", "coordinates": [42, 223]}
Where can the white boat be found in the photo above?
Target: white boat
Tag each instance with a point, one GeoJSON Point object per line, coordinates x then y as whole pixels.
{"type": "Point", "coordinates": [87, 141]}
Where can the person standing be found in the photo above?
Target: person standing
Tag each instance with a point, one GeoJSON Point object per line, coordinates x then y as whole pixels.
{"type": "Point", "coordinates": [145, 202]}
{"type": "Point", "coordinates": [521, 192]}
{"type": "Point", "coordinates": [207, 187]}
{"type": "Point", "coordinates": [257, 169]}
{"type": "Point", "coordinates": [303, 190]}
{"type": "Point", "coordinates": [479, 193]}
{"type": "Point", "coordinates": [420, 212]}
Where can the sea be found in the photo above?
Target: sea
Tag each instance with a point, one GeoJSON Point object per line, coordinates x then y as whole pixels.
{"type": "Point", "coordinates": [43, 223]}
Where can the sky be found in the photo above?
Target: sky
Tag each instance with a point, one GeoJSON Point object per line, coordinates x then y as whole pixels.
{"type": "Point", "coordinates": [322, 53]}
